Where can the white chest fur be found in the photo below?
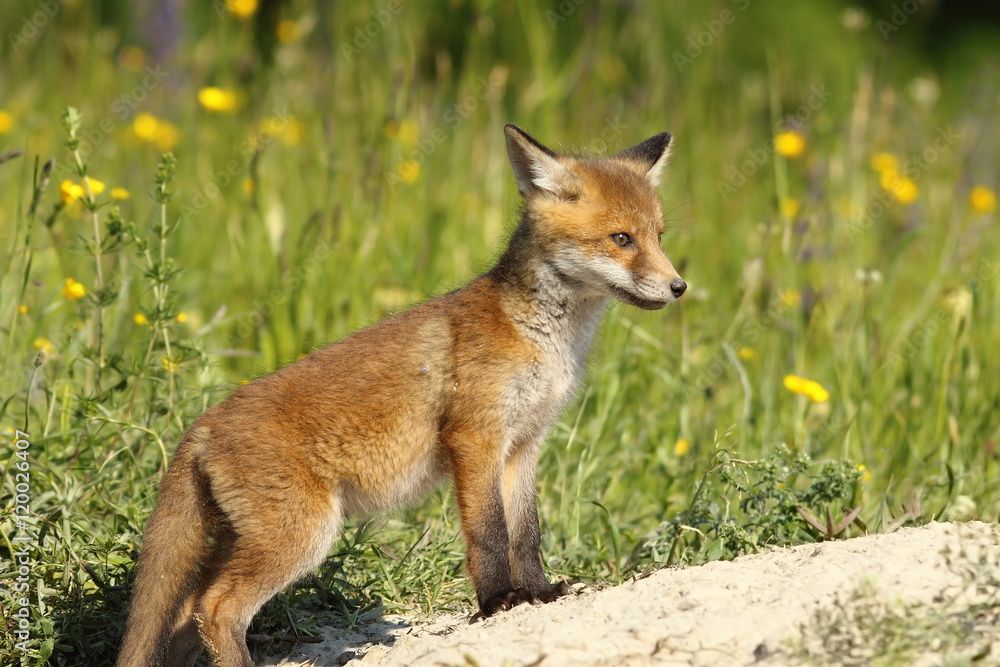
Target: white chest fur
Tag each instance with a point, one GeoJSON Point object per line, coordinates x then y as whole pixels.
{"type": "Point", "coordinates": [562, 327]}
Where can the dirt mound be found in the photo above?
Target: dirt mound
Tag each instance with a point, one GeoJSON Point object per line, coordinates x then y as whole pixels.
{"type": "Point", "coordinates": [721, 613]}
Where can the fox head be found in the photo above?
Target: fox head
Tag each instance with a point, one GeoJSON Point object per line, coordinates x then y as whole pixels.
{"type": "Point", "coordinates": [598, 222]}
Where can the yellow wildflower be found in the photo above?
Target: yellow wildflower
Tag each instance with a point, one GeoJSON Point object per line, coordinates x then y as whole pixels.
{"type": "Point", "coordinates": [290, 132]}
{"type": "Point", "coordinates": [244, 381]}
{"type": "Point", "coordinates": [153, 130]}
{"type": "Point", "coordinates": [746, 353]}
{"type": "Point", "coordinates": [249, 185]}
{"type": "Point", "coordinates": [145, 125]}
{"type": "Point", "coordinates": [182, 317]}
{"type": "Point", "coordinates": [409, 132]}
{"type": "Point", "coordinates": [73, 290]}
{"type": "Point", "coordinates": [242, 9]}
{"type": "Point", "coordinates": [790, 297]}
{"type": "Point", "coordinates": [409, 171]}
{"type": "Point", "coordinates": [790, 207]}
{"type": "Point", "coordinates": [887, 178]}
{"type": "Point", "coordinates": [120, 193]}
{"type": "Point", "coordinates": [682, 447]}
{"type": "Point", "coordinates": [885, 162]}
{"type": "Point", "coordinates": [43, 345]}
{"type": "Point", "coordinates": [22, 309]}
{"type": "Point", "coordinates": [865, 475]}
{"type": "Point", "coordinates": [170, 365]}
{"type": "Point", "coordinates": [167, 136]}
{"type": "Point", "coordinates": [789, 143]}
{"type": "Point", "coordinates": [6, 122]}
{"type": "Point", "coordinates": [904, 190]}
{"type": "Point", "coordinates": [288, 31]}
{"type": "Point", "coordinates": [812, 390]}
{"type": "Point", "coordinates": [293, 133]}
{"type": "Point", "coordinates": [218, 100]}
{"type": "Point", "coordinates": [816, 393]}
{"type": "Point", "coordinates": [795, 384]}
{"type": "Point", "coordinates": [69, 191]}
{"type": "Point", "coordinates": [140, 319]}
{"type": "Point", "coordinates": [982, 200]}
{"type": "Point", "coordinates": [96, 186]}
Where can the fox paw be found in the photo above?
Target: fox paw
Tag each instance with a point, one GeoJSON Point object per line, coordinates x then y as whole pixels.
{"type": "Point", "coordinates": [510, 599]}
{"type": "Point", "coordinates": [551, 592]}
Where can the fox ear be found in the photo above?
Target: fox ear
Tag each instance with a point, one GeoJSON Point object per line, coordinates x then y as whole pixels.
{"type": "Point", "coordinates": [536, 168]}
{"type": "Point", "coordinates": [650, 156]}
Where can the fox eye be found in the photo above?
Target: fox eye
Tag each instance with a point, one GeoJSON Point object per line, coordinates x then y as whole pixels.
{"type": "Point", "coordinates": [621, 239]}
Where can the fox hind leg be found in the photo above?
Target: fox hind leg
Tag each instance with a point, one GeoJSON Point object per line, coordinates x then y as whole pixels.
{"type": "Point", "coordinates": [185, 643]}
{"type": "Point", "coordinates": [259, 564]}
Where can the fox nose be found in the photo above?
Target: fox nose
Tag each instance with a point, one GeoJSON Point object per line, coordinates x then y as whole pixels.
{"type": "Point", "coordinates": [677, 287]}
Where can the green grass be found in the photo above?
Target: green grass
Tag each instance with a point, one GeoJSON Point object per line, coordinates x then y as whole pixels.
{"type": "Point", "coordinates": [332, 238]}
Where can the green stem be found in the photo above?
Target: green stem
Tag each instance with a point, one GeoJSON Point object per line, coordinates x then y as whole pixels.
{"type": "Point", "coordinates": [99, 270]}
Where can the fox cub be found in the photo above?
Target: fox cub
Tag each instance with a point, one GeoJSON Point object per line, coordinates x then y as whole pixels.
{"type": "Point", "coordinates": [464, 385]}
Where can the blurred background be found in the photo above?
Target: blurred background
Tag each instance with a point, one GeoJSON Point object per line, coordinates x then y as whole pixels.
{"type": "Point", "coordinates": [831, 201]}
{"type": "Point", "coordinates": [382, 121]}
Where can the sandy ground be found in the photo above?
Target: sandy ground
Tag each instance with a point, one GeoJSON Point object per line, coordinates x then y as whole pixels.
{"type": "Point", "coordinates": [721, 613]}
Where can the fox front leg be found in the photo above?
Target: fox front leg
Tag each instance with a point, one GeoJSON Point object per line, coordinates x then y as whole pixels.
{"type": "Point", "coordinates": [478, 487]}
{"type": "Point", "coordinates": [480, 504]}
{"type": "Point", "coordinates": [521, 513]}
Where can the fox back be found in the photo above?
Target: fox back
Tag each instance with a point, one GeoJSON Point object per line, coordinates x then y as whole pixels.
{"type": "Point", "coordinates": [465, 385]}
